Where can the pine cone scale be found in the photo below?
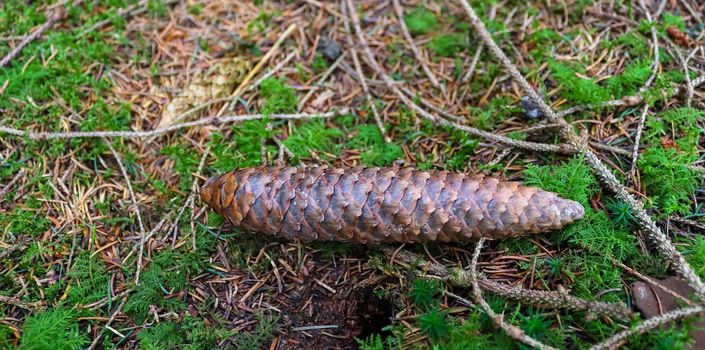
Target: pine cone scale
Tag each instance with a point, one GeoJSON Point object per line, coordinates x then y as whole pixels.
{"type": "Point", "coordinates": [383, 204]}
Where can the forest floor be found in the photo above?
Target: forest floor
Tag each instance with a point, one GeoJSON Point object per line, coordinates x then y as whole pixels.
{"type": "Point", "coordinates": [105, 243]}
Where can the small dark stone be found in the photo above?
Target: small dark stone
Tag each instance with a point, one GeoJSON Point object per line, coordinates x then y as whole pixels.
{"type": "Point", "coordinates": [329, 48]}
{"type": "Point", "coordinates": [653, 301]}
{"type": "Point", "coordinates": [530, 108]}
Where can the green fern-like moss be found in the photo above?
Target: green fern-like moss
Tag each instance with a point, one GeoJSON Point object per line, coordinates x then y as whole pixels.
{"type": "Point", "coordinates": [669, 179]}
{"type": "Point", "coordinates": [421, 21]}
{"type": "Point", "coordinates": [52, 329]}
{"type": "Point", "coordinates": [279, 97]}
{"type": "Point", "coordinates": [375, 150]}
{"type": "Point", "coordinates": [313, 136]}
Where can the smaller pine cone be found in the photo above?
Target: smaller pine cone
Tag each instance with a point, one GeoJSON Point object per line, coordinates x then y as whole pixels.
{"type": "Point", "coordinates": [383, 204]}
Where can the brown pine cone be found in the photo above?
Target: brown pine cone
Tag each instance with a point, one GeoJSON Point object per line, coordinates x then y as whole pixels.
{"type": "Point", "coordinates": [383, 204]}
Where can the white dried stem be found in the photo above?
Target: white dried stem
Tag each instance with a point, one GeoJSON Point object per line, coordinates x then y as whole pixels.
{"type": "Point", "coordinates": [410, 40]}
{"type": "Point", "coordinates": [498, 319]}
{"type": "Point", "coordinates": [620, 338]}
{"type": "Point", "coordinates": [607, 178]}
{"type": "Point", "coordinates": [157, 132]}
{"type": "Point", "coordinates": [136, 207]}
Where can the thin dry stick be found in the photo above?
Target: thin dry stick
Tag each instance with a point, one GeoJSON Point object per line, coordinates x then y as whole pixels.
{"type": "Point", "coordinates": [410, 40]}
{"type": "Point", "coordinates": [689, 92]}
{"type": "Point", "coordinates": [511, 330]}
{"type": "Point", "coordinates": [654, 40]}
{"type": "Point", "coordinates": [363, 83]}
{"type": "Point", "coordinates": [194, 192]}
{"type": "Point", "coordinates": [258, 67]}
{"type": "Point", "coordinates": [12, 182]}
{"type": "Point", "coordinates": [156, 132]}
{"type": "Point", "coordinates": [19, 303]}
{"type": "Point", "coordinates": [58, 14]}
{"type": "Point", "coordinates": [107, 324]}
{"type": "Point", "coordinates": [130, 11]}
{"type": "Point", "coordinates": [137, 209]}
{"type": "Point", "coordinates": [276, 68]}
{"type": "Point", "coordinates": [320, 81]}
{"type": "Point", "coordinates": [616, 340]}
{"type": "Point", "coordinates": [473, 63]}
{"type": "Point", "coordinates": [559, 300]}
{"type": "Point", "coordinates": [626, 101]}
{"type": "Point", "coordinates": [645, 110]}
{"type": "Point", "coordinates": [637, 139]}
{"type": "Point", "coordinates": [407, 101]}
{"type": "Point", "coordinates": [698, 81]}
{"type": "Point", "coordinates": [604, 174]}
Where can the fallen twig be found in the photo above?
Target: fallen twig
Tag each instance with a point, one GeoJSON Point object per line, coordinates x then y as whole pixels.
{"type": "Point", "coordinates": [603, 173]}
{"type": "Point", "coordinates": [621, 337]}
{"type": "Point", "coordinates": [363, 83]}
{"type": "Point", "coordinates": [436, 119]}
{"type": "Point", "coordinates": [410, 40]}
{"type": "Point", "coordinates": [12, 182]}
{"type": "Point", "coordinates": [498, 319]}
{"type": "Point", "coordinates": [549, 299]}
{"type": "Point", "coordinates": [19, 303]}
{"type": "Point", "coordinates": [133, 197]}
{"type": "Point", "coordinates": [156, 132]}
{"type": "Point", "coordinates": [258, 67]}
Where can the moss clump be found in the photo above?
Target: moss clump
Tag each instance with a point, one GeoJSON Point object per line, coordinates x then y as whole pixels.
{"type": "Point", "coordinates": [52, 329]}
{"type": "Point", "coordinates": [421, 21]}
{"type": "Point", "coordinates": [576, 89]}
{"type": "Point", "coordinates": [449, 45]}
{"type": "Point", "coordinates": [665, 166]}
{"type": "Point", "coordinates": [278, 96]}
{"type": "Point", "coordinates": [572, 179]}
{"type": "Point", "coordinates": [375, 150]}
{"type": "Point", "coordinates": [668, 179]}
{"type": "Point", "coordinates": [313, 136]}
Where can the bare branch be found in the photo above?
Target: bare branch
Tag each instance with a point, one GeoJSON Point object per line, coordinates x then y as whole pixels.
{"type": "Point", "coordinates": [603, 173]}
{"type": "Point", "coordinates": [621, 337]}
{"type": "Point", "coordinates": [157, 132]}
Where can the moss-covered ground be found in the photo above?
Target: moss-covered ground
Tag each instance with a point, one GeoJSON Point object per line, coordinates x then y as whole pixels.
{"type": "Point", "coordinates": [70, 239]}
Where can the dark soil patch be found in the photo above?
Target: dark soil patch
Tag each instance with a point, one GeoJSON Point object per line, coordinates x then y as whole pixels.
{"type": "Point", "coordinates": [356, 311]}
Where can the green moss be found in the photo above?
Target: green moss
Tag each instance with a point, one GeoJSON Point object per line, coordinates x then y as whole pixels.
{"type": "Point", "coordinates": [460, 149]}
{"type": "Point", "coordinates": [630, 80]}
{"type": "Point", "coordinates": [634, 43]}
{"type": "Point", "coordinates": [162, 336]}
{"type": "Point", "coordinates": [278, 96]}
{"type": "Point", "coordinates": [243, 148]}
{"type": "Point", "coordinates": [320, 64]}
{"type": "Point", "coordinates": [421, 21]}
{"type": "Point", "coordinates": [185, 163]}
{"type": "Point", "coordinates": [89, 281]}
{"type": "Point", "coordinates": [6, 337]}
{"type": "Point", "coordinates": [572, 179]}
{"type": "Point", "coordinates": [167, 275]}
{"type": "Point", "coordinates": [375, 151]}
{"type": "Point", "coordinates": [422, 291]}
{"type": "Point", "coordinates": [670, 19]}
{"type": "Point", "coordinates": [695, 254]}
{"type": "Point", "coordinates": [52, 329]}
{"type": "Point", "coordinates": [668, 179]}
{"type": "Point", "coordinates": [313, 136]}
{"type": "Point", "coordinates": [264, 331]}
{"type": "Point", "coordinates": [449, 45]}
{"type": "Point", "coordinates": [434, 323]}
{"type": "Point", "coordinates": [188, 333]}
{"type": "Point", "coordinates": [25, 221]}
{"type": "Point", "coordinates": [497, 109]}
{"type": "Point", "coordinates": [576, 89]}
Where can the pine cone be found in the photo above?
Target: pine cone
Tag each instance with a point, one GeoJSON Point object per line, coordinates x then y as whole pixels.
{"type": "Point", "coordinates": [383, 204]}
